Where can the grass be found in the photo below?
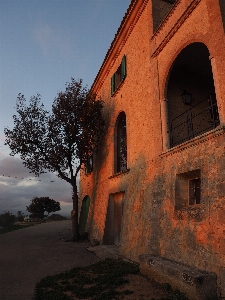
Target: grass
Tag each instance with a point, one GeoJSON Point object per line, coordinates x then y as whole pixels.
{"type": "Point", "coordinates": [99, 281]}
{"type": "Point", "coordinates": [14, 227]}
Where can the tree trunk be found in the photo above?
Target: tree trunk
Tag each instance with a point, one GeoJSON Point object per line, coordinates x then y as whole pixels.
{"type": "Point", "coordinates": [74, 216]}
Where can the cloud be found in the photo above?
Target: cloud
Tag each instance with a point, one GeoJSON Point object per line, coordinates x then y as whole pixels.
{"type": "Point", "coordinates": [52, 42]}
{"type": "Point", "coordinates": [12, 166]}
{"type": "Point", "coordinates": [18, 187]}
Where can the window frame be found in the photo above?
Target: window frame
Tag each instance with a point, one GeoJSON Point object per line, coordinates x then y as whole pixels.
{"type": "Point", "coordinates": [119, 76]}
{"type": "Point", "coordinates": [184, 188]}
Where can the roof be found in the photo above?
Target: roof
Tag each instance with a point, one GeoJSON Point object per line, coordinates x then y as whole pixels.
{"type": "Point", "coordinates": [118, 34]}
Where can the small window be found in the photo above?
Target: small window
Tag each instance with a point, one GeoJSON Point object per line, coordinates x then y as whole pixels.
{"type": "Point", "coordinates": [118, 76]}
{"type": "Point", "coordinates": [89, 165]}
{"type": "Point", "coordinates": [188, 189]}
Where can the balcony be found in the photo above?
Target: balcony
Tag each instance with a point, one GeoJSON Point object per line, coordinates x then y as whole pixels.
{"type": "Point", "coordinates": [198, 119]}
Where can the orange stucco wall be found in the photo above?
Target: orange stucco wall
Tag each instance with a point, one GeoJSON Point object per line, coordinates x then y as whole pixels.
{"type": "Point", "coordinates": [151, 223]}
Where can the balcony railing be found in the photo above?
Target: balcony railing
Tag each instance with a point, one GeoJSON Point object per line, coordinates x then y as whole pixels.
{"type": "Point", "coordinates": [196, 120]}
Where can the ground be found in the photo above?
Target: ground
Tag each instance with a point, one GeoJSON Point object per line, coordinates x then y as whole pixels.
{"type": "Point", "coordinates": [107, 279]}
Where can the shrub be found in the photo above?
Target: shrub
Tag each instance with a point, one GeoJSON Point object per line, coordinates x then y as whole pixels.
{"type": "Point", "coordinates": [7, 219]}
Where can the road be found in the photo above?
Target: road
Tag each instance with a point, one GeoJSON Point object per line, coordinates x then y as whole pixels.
{"type": "Point", "coordinates": [27, 255]}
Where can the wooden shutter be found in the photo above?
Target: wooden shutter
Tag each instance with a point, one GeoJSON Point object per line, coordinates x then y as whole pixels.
{"type": "Point", "coordinates": [123, 68]}
{"type": "Point", "coordinates": [113, 82]}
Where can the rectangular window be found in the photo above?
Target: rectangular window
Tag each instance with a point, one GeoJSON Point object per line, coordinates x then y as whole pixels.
{"type": "Point", "coordinates": [188, 189]}
{"type": "Point", "coordinates": [119, 76]}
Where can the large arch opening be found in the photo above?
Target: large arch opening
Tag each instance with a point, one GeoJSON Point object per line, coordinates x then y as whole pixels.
{"type": "Point", "coordinates": [192, 105]}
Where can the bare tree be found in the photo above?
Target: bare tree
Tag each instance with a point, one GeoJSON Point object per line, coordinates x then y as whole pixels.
{"type": "Point", "coordinates": [61, 141]}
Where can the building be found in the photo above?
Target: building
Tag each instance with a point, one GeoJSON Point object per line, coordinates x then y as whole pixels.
{"type": "Point", "coordinates": [156, 186]}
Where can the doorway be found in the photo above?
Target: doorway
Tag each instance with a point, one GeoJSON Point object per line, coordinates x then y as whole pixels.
{"type": "Point", "coordinates": [113, 221]}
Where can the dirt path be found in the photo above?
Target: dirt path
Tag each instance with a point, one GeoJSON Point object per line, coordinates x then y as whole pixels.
{"type": "Point", "coordinates": [27, 255]}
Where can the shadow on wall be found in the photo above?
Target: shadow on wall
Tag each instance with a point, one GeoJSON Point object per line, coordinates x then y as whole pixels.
{"type": "Point", "coordinates": [135, 222]}
{"type": "Point", "coordinates": [113, 220]}
{"type": "Point", "coordinates": [99, 162]}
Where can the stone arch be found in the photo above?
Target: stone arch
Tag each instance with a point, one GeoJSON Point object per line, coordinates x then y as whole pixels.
{"type": "Point", "coordinates": [191, 71]}
{"type": "Point", "coordinates": [84, 215]}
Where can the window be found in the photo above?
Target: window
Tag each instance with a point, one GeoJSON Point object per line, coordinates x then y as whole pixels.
{"type": "Point", "coordinates": [118, 76]}
{"type": "Point", "coordinates": [188, 189]}
{"type": "Point", "coordinates": [194, 191]}
{"type": "Point", "coordinates": [89, 165]}
{"type": "Point", "coordinates": [121, 143]}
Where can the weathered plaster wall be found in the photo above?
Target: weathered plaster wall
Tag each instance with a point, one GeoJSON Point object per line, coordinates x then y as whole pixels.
{"type": "Point", "coordinates": [196, 233]}
{"type": "Point", "coordinates": [150, 223]}
{"type": "Point", "coordinates": [137, 116]}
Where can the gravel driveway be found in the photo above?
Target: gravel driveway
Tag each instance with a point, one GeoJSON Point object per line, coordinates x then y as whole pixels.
{"type": "Point", "coordinates": [27, 255]}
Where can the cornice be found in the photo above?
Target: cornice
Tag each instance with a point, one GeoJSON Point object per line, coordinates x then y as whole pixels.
{"type": "Point", "coordinates": [124, 31]}
{"type": "Point", "coordinates": [177, 25]}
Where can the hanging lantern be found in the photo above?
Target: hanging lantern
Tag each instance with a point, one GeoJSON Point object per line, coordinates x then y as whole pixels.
{"type": "Point", "coordinates": [186, 97]}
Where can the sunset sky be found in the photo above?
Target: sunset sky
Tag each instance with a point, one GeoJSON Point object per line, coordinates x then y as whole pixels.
{"type": "Point", "coordinates": [42, 45]}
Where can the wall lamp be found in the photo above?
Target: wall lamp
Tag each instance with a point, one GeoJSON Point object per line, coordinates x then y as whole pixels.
{"type": "Point", "coordinates": [186, 97]}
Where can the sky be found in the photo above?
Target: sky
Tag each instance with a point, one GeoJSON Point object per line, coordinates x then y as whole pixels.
{"type": "Point", "coordinates": [43, 43]}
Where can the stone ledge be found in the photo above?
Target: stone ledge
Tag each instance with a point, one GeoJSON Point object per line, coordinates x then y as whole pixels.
{"type": "Point", "coordinates": [219, 130]}
{"type": "Point", "coordinates": [119, 173]}
{"type": "Point", "coordinates": [195, 283]}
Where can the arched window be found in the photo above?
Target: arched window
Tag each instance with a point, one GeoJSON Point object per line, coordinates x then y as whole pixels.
{"type": "Point", "coordinates": [121, 144]}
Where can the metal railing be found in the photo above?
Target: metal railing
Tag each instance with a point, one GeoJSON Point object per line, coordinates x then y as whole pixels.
{"type": "Point", "coordinates": [198, 119]}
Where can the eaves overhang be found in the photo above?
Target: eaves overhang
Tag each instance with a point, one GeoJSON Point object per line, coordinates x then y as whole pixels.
{"type": "Point", "coordinates": [131, 17]}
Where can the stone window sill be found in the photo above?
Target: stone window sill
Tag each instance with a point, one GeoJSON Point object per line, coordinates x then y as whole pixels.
{"type": "Point", "coordinates": [195, 212]}
{"type": "Point", "coordinates": [119, 173]}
